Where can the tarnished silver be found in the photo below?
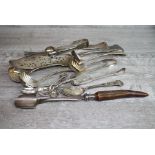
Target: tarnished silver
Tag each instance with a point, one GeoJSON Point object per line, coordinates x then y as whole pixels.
{"type": "Point", "coordinates": [78, 44]}
{"type": "Point", "coordinates": [92, 66]}
{"type": "Point", "coordinates": [75, 90]}
{"type": "Point", "coordinates": [80, 80]}
{"type": "Point", "coordinates": [31, 101]}
{"type": "Point", "coordinates": [89, 68]}
{"type": "Point", "coordinates": [21, 69]}
{"type": "Point", "coordinates": [88, 63]}
{"type": "Point", "coordinates": [50, 57]}
{"type": "Point", "coordinates": [27, 80]}
{"type": "Point", "coordinates": [107, 50]}
{"type": "Point", "coordinates": [50, 90]}
{"type": "Point", "coordinates": [30, 82]}
{"type": "Point", "coordinates": [55, 56]}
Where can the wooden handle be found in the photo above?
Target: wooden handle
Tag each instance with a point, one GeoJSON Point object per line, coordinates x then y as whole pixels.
{"type": "Point", "coordinates": [116, 94]}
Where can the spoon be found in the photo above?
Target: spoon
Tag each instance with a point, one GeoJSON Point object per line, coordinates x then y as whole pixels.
{"type": "Point", "coordinates": [75, 91]}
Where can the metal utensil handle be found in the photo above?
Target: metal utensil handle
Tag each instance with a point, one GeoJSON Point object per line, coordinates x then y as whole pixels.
{"type": "Point", "coordinates": [83, 81]}
{"type": "Point", "coordinates": [103, 51]}
{"type": "Point", "coordinates": [108, 84]}
{"type": "Point", "coordinates": [31, 101]}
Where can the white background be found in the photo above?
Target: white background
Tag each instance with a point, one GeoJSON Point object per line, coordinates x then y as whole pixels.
{"type": "Point", "coordinates": [70, 12]}
{"type": "Point", "coordinates": [77, 142]}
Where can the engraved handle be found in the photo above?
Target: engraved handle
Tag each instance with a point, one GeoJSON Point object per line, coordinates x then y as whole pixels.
{"type": "Point", "coordinates": [118, 83]}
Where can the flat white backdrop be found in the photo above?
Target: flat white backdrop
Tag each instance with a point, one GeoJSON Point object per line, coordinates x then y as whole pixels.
{"type": "Point", "coordinates": [77, 12]}
{"type": "Point", "coordinates": [77, 142]}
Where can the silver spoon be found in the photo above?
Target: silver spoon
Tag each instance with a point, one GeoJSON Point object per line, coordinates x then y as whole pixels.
{"type": "Point", "coordinates": [75, 91]}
